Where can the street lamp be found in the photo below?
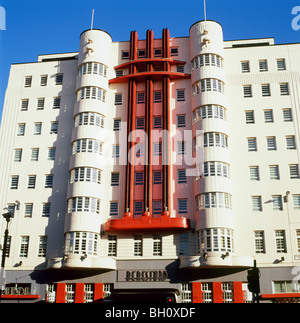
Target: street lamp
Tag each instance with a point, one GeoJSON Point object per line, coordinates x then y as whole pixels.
{"type": "Point", "coordinates": [7, 217]}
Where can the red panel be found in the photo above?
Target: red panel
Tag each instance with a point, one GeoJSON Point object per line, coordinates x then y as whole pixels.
{"type": "Point", "coordinates": [280, 296]}
{"type": "Point", "coordinates": [148, 224]}
{"type": "Point", "coordinates": [8, 296]}
{"type": "Point", "coordinates": [61, 293]}
{"type": "Point", "coordinates": [98, 292]}
{"type": "Point", "coordinates": [79, 293]}
{"type": "Point", "coordinates": [238, 293]}
{"type": "Point", "coordinates": [197, 293]}
{"type": "Point", "coordinates": [217, 292]}
{"type": "Point", "coordinates": [138, 62]}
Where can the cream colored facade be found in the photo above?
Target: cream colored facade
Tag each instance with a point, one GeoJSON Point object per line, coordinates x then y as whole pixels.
{"type": "Point", "coordinates": [241, 122]}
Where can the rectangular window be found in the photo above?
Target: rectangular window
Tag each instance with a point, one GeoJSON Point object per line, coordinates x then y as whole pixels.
{"type": "Point", "coordinates": [157, 207]}
{"type": "Point", "coordinates": [266, 90]}
{"type": "Point", "coordinates": [280, 241]}
{"type": "Point", "coordinates": [254, 173]}
{"type": "Point", "coordinates": [118, 99]}
{"type": "Point", "coordinates": [284, 89]}
{"type": "Point", "coordinates": [117, 125]}
{"type": "Point", "coordinates": [137, 245]}
{"type": "Point", "coordinates": [116, 151]}
{"type": "Point", "coordinates": [174, 51]}
{"type": "Point", "coordinates": [21, 129]}
{"type": "Point", "coordinates": [28, 80]}
{"type": "Point", "coordinates": [252, 144]}
{"type": "Point", "coordinates": [294, 171]}
{"type": "Point", "coordinates": [115, 179]}
{"type": "Point", "coordinates": [114, 209]}
{"type": "Point", "coordinates": [125, 54]}
{"type": "Point", "coordinates": [180, 95]}
{"type": "Point", "coordinates": [42, 246]}
{"type": "Point", "coordinates": [141, 53]}
{"type": "Point", "coordinates": [245, 67]}
{"type": "Point", "coordinates": [274, 172]}
{"type": "Point", "coordinates": [56, 103]}
{"type": "Point", "coordinates": [54, 127]}
{"type": "Point", "coordinates": [298, 240]}
{"type": "Point", "coordinates": [157, 245]}
{"type": "Point", "coordinates": [247, 91]}
{"type": "Point", "coordinates": [140, 97]}
{"type": "Point", "coordinates": [259, 237]}
{"type": "Point", "coordinates": [24, 247]}
{"type": "Point", "coordinates": [140, 123]}
{"type": "Point", "coordinates": [37, 128]}
{"type": "Point", "coordinates": [157, 95]}
{"type": "Point", "coordinates": [34, 154]}
{"type": "Point", "coordinates": [256, 203]}
{"type": "Point", "coordinates": [40, 103]}
{"type": "Point", "coordinates": [296, 201]}
{"type": "Point", "coordinates": [281, 65]}
{"type": "Point", "coordinates": [157, 122]}
{"type": "Point", "coordinates": [44, 79]}
{"type": "Point", "coordinates": [263, 65]}
{"type": "Point", "coordinates": [31, 181]}
{"type": "Point", "coordinates": [112, 246]}
{"type": "Point", "coordinates": [277, 202]}
{"type": "Point", "coordinates": [157, 149]}
{"type": "Point", "coordinates": [181, 176]}
{"type": "Point", "coordinates": [157, 52]}
{"type": "Point", "coordinates": [14, 182]}
{"type": "Point", "coordinates": [24, 104]}
{"type": "Point", "coordinates": [249, 117]}
{"type": "Point", "coordinates": [46, 210]}
{"type": "Point", "coordinates": [271, 143]}
{"type": "Point", "coordinates": [290, 142]}
{"type": "Point", "coordinates": [138, 207]}
{"type": "Point", "coordinates": [287, 115]}
{"type": "Point", "coordinates": [157, 177]}
{"type": "Point", "coordinates": [268, 116]}
{"type": "Point", "coordinates": [139, 178]}
{"type": "Point", "coordinates": [49, 181]}
{"type": "Point", "coordinates": [18, 155]}
{"type": "Point", "coordinates": [59, 79]}
{"type": "Point", "coordinates": [182, 206]}
{"type": "Point", "coordinates": [181, 121]}
{"type": "Point", "coordinates": [181, 148]}
{"type": "Point", "coordinates": [51, 153]}
{"type": "Point", "coordinates": [28, 210]}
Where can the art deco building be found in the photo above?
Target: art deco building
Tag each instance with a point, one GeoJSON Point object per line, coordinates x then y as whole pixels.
{"type": "Point", "coordinates": [153, 169]}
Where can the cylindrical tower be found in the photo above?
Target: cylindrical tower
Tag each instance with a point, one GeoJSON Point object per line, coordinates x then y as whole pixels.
{"type": "Point", "coordinates": [212, 187]}
{"type": "Point", "coordinates": [86, 192]}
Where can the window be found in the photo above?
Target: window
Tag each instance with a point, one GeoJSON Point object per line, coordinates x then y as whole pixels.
{"type": "Point", "coordinates": [87, 146]}
{"type": "Point", "coordinates": [227, 289]}
{"type": "Point", "coordinates": [294, 171]}
{"type": "Point", "coordinates": [139, 150]}
{"type": "Point", "coordinates": [92, 68]}
{"type": "Point", "coordinates": [117, 125]}
{"type": "Point", "coordinates": [254, 173]}
{"type": "Point", "coordinates": [277, 202]}
{"type": "Point", "coordinates": [70, 293]}
{"type": "Point", "coordinates": [256, 203]}
{"type": "Point", "coordinates": [271, 143]}
{"type": "Point", "coordinates": [281, 65]}
{"type": "Point", "coordinates": [157, 122]}
{"type": "Point", "coordinates": [89, 119]}
{"type": "Point", "coordinates": [84, 204]}
{"type": "Point", "coordinates": [215, 239]}
{"type": "Point", "coordinates": [206, 60]}
{"type": "Point", "coordinates": [208, 85]}
{"type": "Point", "coordinates": [212, 169]}
{"type": "Point", "coordinates": [157, 95]}
{"type": "Point", "coordinates": [181, 120]}
{"type": "Point", "coordinates": [137, 245]}
{"type": "Point", "coordinates": [59, 79]}
{"type": "Point", "coordinates": [44, 79]}
{"type": "Point", "coordinates": [180, 95]}
{"type": "Point", "coordinates": [24, 104]}
{"type": "Point", "coordinates": [181, 176]}
{"type": "Point", "coordinates": [215, 139]}
{"type": "Point", "coordinates": [290, 142]}
{"type": "Point", "coordinates": [207, 290]}
{"type": "Point", "coordinates": [46, 210]}
{"type": "Point", "coordinates": [245, 67]}
{"type": "Point", "coordinates": [18, 155]}
{"type": "Point", "coordinates": [157, 207]}
{"type": "Point", "coordinates": [296, 201]}
{"type": "Point", "coordinates": [85, 174]}
{"type": "Point", "coordinates": [259, 238]}
{"type": "Point", "coordinates": [280, 241]}
{"type": "Point", "coordinates": [157, 177]}
{"type": "Point", "coordinates": [274, 172]}
{"type": "Point", "coordinates": [51, 153]}
{"type": "Point", "coordinates": [28, 210]}
{"type": "Point", "coordinates": [157, 245]}
{"type": "Point", "coordinates": [138, 178]}
{"type": "Point", "coordinates": [174, 51]}
{"type": "Point", "coordinates": [140, 123]}
{"type": "Point", "coordinates": [21, 129]}
{"type": "Point", "coordinates": [34, 154]}
{"type": "Point", "coordinates": [95, 93]}
{"type": "Point", "coordinates": [56, 103]}
{"type": "Point", "coordinates": [138, 207]}
{"type": "Point", "coordinates": [180, 69]}
{"type": "Point", "coordinates": [284, 89]}
{"type": "Point", "coordinates": [31, 181]}
{"type": "Point", "coordinates": [268, 116]}
{"type": "Point", "coordinates": [23, 253]}
{"type": "Point", "coordinates": [265, 89]}
{"type": "Point", "coordinates": [37, 128]}
{"type": "Point", "coordinates": [157, 149]}
{"type": "Point", "coordinates": [287, 115]}
{"type": "Point", "coordinates": [115, 179]}
{"type": "Point", "coordinates": [213, 200]}
{"type": "Point", "coordinates": [28, 80]}
{"type": "Point", "coordinates": [249, 116]}
{"type": "Point", "coordinates": [114, 209]}
{"type": "Point", "coordinates": [116, 151]}
{"type": "Point", "coordinates": [181, 148]}
{"type": "Point", "coordinates": [14, 181]}
{"type": "Point", "coordinates": [182, 206]}
{"type": "Point", "coordinates": [140, 97]}
{"type": "Point", "coordinates": [141, 53]}
{"type": "Point", "coordinates": [209, 111]}
{"type": "Point", "coordinates": [49, 181]}
{"type": "Point", "coordinates": [42, 246]}
{"type": "Point", "coordinates": [298, 239]}
{"type": "Point", "coordinates": [40, 103]}
{"type": "Point", "coordinates": [54, 127]}
{"type": "Point", "coordinates": [81, 243]}
{"type": "Point", "coordinates": [119, 73]}
{"type": "Point", "coordinates": [157, 52]}
{"type": "Point", "coordinates": [247, 91]}
{"type": "Point", "coordinates": [118, 99]}
{"type": "Point", "coordinates": [112, 246]}
{"type": "Point", "coordinates": [125, 54]}
{"type": "Point", "coordinates": [263, 65]}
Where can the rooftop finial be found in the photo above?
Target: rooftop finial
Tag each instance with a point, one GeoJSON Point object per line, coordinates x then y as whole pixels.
{"type": "Point", "coordinates": [92, 19]}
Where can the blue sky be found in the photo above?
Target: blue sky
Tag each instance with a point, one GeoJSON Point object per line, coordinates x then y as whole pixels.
{"type": "Point", "coordinates": [36, 27]}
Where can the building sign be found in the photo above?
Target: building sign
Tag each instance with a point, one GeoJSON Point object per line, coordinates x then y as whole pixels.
{"type": "Point", "coordinates": [17, 289]}
{"type": "Point", "coordinates": [143, 275]}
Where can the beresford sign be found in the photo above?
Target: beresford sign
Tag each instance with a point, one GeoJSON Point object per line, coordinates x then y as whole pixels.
{"type": "Point", "coordinates": [142, 275]}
